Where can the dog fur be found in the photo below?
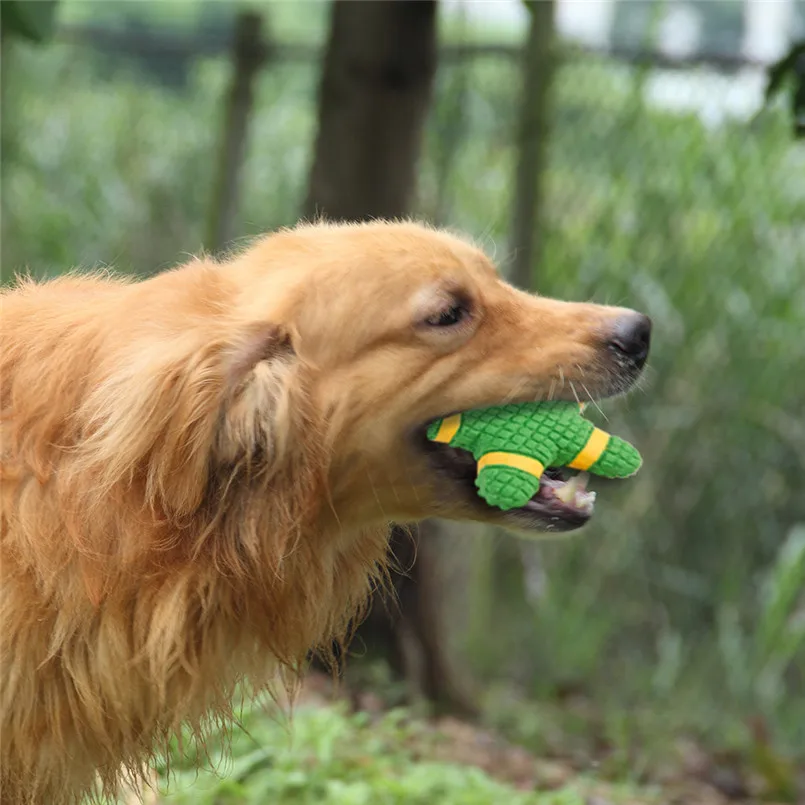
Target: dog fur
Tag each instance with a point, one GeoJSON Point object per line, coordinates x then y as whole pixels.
{"type": "Point", "coordinates": [198, 471]}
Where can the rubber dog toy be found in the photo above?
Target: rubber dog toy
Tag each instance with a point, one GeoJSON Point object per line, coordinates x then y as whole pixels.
{"type": "Point", "coordinates": [513, 444]}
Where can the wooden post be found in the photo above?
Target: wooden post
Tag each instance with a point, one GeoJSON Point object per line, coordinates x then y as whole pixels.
{"type": "Point", "coordinates": [527, 215]}
{"type": "Point", "coordinates": [248, 55]}
{"type": "Point", "coordinates": [373, 100]}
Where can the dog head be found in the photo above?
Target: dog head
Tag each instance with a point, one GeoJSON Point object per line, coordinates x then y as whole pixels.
{"type": "Point", "coordinates": [363, 334]}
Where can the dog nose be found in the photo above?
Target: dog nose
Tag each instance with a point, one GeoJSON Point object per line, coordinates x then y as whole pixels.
{"type": "Point", "coordinates": [631, 337]}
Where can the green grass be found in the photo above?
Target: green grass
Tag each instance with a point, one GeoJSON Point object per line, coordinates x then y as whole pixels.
{"type": "Point", "coordinates": [327, 756]}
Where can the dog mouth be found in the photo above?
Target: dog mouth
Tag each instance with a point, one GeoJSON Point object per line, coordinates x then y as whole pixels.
{"type": "Point", "coordinates": [563, 502]}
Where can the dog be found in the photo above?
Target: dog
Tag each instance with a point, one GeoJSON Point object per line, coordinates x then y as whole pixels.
{"type": "Point", "coordinates": [199, 469]}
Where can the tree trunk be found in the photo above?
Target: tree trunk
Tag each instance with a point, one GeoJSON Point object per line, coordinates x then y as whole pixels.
{"type": "Point", "coordinates": [528, 225]}
{"type": "Point", "coordinates": [373, 102]}
{"type": "Point", "coordinates": [248, 55]}
{"type": "Point", "coordinates": [527, 229]}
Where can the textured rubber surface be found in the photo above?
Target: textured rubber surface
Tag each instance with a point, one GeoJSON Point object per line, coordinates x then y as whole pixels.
{"type": "Point", "coordinates": [506, 487]}
{"type": "Point", "coordinates": [553, 433]}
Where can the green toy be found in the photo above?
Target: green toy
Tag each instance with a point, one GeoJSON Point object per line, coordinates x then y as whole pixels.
{"type": "Point", "coordinates": [513, 444]}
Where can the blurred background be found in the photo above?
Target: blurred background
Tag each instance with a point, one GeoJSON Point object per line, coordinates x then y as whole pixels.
{"type": "Point", "coordinates": [633, 152]}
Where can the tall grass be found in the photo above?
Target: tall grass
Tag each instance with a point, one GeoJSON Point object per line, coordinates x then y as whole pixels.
{"type": "Point", "coordinates": [702, 229]}
{"type": "Point", "coordinates": [329, 757]}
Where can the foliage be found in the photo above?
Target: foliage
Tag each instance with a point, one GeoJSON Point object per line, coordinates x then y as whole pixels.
{"type": "Point", "coordinates": [31, 21]}
{"type": "Point", "coordinates": [780, 628]}
{"type": "Point", "coordinates": [789, 72]}
{"type": "Point", "coordinates": [188, 17]}
{"type": "Point", "coordinates": [326, 756]}
{"type": "Point", "coordinates": [699, 228]}
{"type": "Point", "coordinates": [720, 23]}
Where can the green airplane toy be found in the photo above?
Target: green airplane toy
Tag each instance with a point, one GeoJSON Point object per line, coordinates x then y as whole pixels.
{"type": "Point", "coordinates": [513, 445]}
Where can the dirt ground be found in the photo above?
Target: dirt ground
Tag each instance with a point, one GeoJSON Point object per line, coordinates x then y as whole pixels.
{"type": "Point", "coordinates": [692, 775]}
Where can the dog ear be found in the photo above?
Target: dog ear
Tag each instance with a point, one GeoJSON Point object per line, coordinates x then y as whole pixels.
{"type": "Point", "coordinates": [263, 402]}
{"type": "Point", "coordinates": [169, 416]}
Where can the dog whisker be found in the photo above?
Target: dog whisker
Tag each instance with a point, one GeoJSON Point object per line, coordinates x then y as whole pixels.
{"type": "Point", "coordinates": [591, 398]}
{"type": "Point", "coordinates": [561, 378]}
{"type": "Point", "coordinates": [514, 392]}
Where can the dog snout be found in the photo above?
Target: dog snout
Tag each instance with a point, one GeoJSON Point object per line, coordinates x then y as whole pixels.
{"type": "Point", "coordinates": [631, 338]}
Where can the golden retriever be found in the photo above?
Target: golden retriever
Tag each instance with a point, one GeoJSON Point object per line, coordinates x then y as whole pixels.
{"type": "Point", "coordinates": [199, 469]}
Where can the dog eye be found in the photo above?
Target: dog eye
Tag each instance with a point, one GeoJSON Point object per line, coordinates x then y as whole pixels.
{"type": "Point", "coordinates": [448, 317]}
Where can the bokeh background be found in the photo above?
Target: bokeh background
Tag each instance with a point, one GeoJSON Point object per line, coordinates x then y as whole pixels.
{"type": "Point", "coordinates": [615, 150]}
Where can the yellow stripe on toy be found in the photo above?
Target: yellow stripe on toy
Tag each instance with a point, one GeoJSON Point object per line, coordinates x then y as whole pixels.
{"type": "Point", "coordinates": [448, 429]}
{"type": "Point", "coordinates": [591, 451]}
{"type": "Point", "coordinates": [529, 465]}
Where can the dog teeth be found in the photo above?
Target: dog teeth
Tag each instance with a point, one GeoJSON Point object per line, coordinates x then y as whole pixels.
{"type": "Point", "coordinates": [574, 492]}
{"type": "Point", "coordinates": [566, 492]}
{"type": "Point", "coordinates": [586, 501]}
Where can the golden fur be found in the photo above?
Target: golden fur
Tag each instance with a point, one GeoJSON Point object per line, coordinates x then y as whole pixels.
{"type": "Point", "coordinates": [198, 471]}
